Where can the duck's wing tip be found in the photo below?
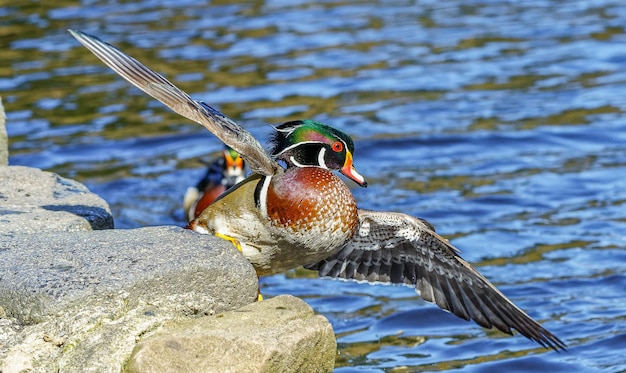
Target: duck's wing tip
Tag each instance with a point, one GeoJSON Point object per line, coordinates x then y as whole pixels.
{"type": "Point", "coordinates": [397, 248]}
{"type": "Point", "coordinates": [155, 85]}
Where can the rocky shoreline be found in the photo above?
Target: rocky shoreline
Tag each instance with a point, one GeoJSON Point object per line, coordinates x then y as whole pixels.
{"type": "Point", "coordinates": [77, 295]}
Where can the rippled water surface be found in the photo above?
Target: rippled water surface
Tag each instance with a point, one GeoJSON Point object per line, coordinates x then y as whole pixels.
{"type": "Point", "coordinates": [502, 123]}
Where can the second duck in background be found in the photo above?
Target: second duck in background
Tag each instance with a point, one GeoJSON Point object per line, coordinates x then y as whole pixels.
{"type": "Point", "coordinates": [221, 175]}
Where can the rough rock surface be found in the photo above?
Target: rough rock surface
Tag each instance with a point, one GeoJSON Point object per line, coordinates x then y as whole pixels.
{"type": "Point", "coordinates": [277, 335]}
{"type": "Point", "coordinates": [35, 201]}
{"type": "Point", "coordinates": [79, 301]}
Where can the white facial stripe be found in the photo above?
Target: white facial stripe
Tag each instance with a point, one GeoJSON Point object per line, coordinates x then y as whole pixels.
{"type": "Point", "coordinates": [345, 146]}
{"type": "Point", "coordinates": [298, 144]}
{"type": "Point", "coordinates": [285, 130]}
{"type": "Point", "coordinates": [295, 163]}
{"type": "Point", "coordinates": [320, 158]}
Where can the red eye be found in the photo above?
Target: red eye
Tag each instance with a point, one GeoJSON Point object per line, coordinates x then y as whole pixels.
{"type": "Point", "coordinates": [337, 146]}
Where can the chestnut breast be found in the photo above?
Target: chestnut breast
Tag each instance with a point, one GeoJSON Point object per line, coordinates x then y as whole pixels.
{"type": "Point", "coordinates": [312, 200]}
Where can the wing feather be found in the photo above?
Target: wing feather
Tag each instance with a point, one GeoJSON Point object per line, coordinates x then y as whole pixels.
{"type": "Point", "coordinates": [180, 102]}
{"type": "Point", "coordinates": [400, 249]}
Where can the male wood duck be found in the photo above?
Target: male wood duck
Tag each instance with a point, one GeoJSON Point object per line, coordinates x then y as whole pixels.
{"type": "Point", "coordinates": [294, 211]}
{"type": "Point", "coordinates": [221, 175]}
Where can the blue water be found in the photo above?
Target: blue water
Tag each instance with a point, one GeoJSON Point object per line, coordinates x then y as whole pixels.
{"type": "Point", "coordinates": [502, 123]}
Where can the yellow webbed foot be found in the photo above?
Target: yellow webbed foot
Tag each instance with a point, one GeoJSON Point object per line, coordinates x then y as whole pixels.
{"type": "Point", "coordinates": [234, 241]}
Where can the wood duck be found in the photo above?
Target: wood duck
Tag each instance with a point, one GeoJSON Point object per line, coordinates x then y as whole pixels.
{"type": "Point", "coordinates": [294, 211]}
{"type": "Point", "coordinates": [221, 175]}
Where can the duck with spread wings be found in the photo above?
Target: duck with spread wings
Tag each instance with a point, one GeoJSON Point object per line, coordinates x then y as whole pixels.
{"type": "Point", "coordinates": [294, 211]}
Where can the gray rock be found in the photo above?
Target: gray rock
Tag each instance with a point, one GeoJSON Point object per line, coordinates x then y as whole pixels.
{"type": "Point", "coordinates": [79, 301]}
{"type": "Point", "coordinates": [4, 140]}
{"type": "Point", "coordinates": [277, 335]}
{"type": "Point", "coordinates": [35, 201]}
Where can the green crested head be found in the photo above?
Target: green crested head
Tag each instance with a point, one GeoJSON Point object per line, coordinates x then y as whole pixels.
{"type": "Point", "coordinates": [232, 160]}
{"type": "Point", "coordinates": [298, 132]}
{"type": "Point", "coordinates": [307, 143]}
{"type": "Point", "coordinates": [230, 152]}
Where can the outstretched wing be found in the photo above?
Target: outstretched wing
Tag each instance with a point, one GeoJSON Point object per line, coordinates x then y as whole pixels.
{"type": "Point", "coordinates": [160, 88]}
{"type": "Point", "coordinates": [397, 248]}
